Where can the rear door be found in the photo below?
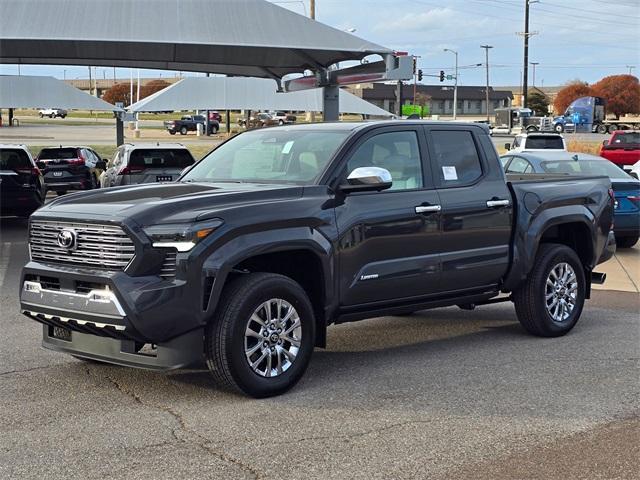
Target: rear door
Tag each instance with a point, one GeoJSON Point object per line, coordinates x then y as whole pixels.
{"type": "Point", "coordinates": [388, 240]}
{"type": "Point", "coordinates": [476, 209]}
{"type": "Point", "coordinates": [148, 165]}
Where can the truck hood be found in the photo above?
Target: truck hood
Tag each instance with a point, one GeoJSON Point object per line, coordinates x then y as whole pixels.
{"type": "Point", "coordinates": [153, 204]}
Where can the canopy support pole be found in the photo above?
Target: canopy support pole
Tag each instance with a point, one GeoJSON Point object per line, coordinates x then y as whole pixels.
{"type": "Point", "coordinates": [331, 103]}
{"type": "Point", "coordinates": [119, 131]}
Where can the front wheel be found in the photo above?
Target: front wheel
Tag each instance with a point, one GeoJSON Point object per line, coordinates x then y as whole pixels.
{"type": "Point", "coordinates": [602, 129]}
{"type": "Point", "coordinates": [559, 128]}
{"type": "Point", "coordinates": [172, 132]}
{"type": "Point", "coordinates": [613, 128]}
{"type": "Point", "coordinates": [262, 337]}
{"type": "Point", "coordinates": [532, 129]}
{"type": "Point", "coordinates": [627, 242]}
{"type": "Point", "coordinates": [550, 301]}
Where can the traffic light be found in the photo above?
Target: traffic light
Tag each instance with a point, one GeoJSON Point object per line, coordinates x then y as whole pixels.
{"type": "Point", "coordinates": [442, 75]}
{"type": "Point", "coordinates": [419, 75]}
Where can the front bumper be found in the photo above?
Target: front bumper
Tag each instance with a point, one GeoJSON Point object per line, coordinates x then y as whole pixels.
{"type": "Point", "coordinates": [180, 352]}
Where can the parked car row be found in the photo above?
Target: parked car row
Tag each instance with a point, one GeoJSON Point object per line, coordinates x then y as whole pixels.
{"type": "Point", "coordinates": [24, 180]}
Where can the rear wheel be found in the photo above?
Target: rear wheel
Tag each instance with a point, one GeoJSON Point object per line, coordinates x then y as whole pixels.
{"type": "Point", "coordinates": [613, 128]}
{"type": "Point", "coordinates": [183, 131]}
{"type": "Point", "coordinates": [627, 242]}
{"type": "Point", "coordinates": [532, 129]}
{"type": "Point", "coordinates": [550, 301]}
{"type": "Point", "coordinates": [262, 337]}
{"type": "Point", "coordinates": [601, 129]}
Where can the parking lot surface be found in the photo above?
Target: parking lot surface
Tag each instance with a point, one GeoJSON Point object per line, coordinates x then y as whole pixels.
{"type": "Point", "coordinates": [439, 394]}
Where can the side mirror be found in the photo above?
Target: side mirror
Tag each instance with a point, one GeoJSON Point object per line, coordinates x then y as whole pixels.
{"type": "Point", "coordinates": [507, 146]}
{"type": "Point", "coordinates": [367, 179]}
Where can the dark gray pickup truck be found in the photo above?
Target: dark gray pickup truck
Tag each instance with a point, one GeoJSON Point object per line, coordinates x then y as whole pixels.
{"type": "Point", "coordinates": [280, 232]}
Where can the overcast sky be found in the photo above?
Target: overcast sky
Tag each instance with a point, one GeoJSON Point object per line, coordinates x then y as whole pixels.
{"type": "Point", "coordinates": [576, 39]}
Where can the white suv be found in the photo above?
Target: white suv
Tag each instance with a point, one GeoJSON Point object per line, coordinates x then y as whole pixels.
{"type": "Point", "coordinates": [146, 163]}
{"type": "Point", "coordinates": [52, 112]}
{"type": "Point", "coordinates": [537, 142]}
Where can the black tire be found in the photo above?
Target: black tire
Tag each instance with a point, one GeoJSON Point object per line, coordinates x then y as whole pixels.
{"type": "Point", "coordinates": [213, 129]}
{"type": "Point", "coordinates": [530, 301]}
{"type": "Point", "coordinates": [602, 129]}
{"type": "Point", "coordinates": [532, 129]}
{"type": "Point", "coordinates": [172, 132]}
{"type": "Point", "coordinates": [613, 128]}
{"type": "Point", "coordinates": [627, 241]}
{"type": "Point", "coordinates": [52, 115]}
{"type": "Point", "coordinates": [225, 334]}
{"type": "Point", "coordinates": [280, 122]}
{"type": "Point", "coordinates": [41, 115]}
{"type": "Point", "coordinates": [183, 131]}
{"type": "Point", "coordinates": [61, 192]}
{"type": "Point", "coordinates": [558, 128]}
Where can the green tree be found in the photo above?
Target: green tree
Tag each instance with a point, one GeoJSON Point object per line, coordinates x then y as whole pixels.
{"type": "Point", "coordinates": [538, 102]}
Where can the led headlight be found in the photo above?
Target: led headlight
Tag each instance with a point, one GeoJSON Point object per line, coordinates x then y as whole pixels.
{"type": "Point", "coordinates": [182, 237]}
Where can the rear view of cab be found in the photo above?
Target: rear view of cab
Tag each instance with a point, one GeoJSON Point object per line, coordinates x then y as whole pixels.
{"type": "Point", "coordinates": [22, 189]}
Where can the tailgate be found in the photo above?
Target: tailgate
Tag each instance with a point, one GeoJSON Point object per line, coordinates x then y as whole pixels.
{"type": "Point", "coordinates": [153, 175]}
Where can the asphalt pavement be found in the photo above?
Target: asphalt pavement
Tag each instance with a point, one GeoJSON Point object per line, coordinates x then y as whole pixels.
{"type": "Point", "coordinates": [440, 394]}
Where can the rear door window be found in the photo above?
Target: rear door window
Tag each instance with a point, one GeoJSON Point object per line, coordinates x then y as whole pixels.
{"type": "Point", "coordinates": [456, 158]}
{"type": "Point", "coordinates": [14, 158]}
{"type": "Point", "coordinates": [161, 158]}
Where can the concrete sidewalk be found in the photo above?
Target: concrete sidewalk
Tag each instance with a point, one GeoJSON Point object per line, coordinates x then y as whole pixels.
{"type": "Point", "coordinates": [623, 271]}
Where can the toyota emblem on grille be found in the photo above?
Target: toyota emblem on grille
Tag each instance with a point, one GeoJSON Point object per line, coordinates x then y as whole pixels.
{"type": "Point", "coordinates": [67, 239]}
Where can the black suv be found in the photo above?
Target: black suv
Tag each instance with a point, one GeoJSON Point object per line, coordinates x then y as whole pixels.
{"type": "Point", "coordinates": [70, 168]}
{"type": "Point", "coordinates": [22, 189]}
{"type": "Point", "coordinates": [281, 232]}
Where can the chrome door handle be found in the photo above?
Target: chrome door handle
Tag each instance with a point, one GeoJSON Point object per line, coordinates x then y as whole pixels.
{"type": "Point", "coordinates": [428, 208]}
{"type": "Point", "coordinates": [498, 203]}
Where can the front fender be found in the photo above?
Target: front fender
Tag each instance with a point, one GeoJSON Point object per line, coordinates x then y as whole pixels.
{"type": "Point", "coordinates": [222, 260]}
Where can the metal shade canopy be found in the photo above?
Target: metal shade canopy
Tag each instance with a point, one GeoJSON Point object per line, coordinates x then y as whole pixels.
{"type": "Point", "coordinates": [46, 92]}
{"type": "Point", "coordinates": [233, 93]}
{"type": "Point", "coordinates": [236, 37]}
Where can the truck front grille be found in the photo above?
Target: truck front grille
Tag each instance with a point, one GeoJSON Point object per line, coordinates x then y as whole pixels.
{"type": "Point", "coordinates": [96, 246]}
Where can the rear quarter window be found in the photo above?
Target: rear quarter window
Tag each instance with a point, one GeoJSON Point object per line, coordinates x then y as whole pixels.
{"type": "Point", "coordinates": [626, 138]}
{"type": "Point", "coordinates": [161, 158]}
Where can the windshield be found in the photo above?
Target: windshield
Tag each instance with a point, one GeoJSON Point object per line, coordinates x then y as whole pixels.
{"type": "Point", "coordinates": [269, 156]}
{"type": "Point", "coordinates": [626, 138]}
{"type": "Point", "coordinates": [586, 167]}
{"type": "Point", "coordinates": [161, 158]}
{"type": "Point", "coordinates": [544, 143]}
{"type": "Point", "coordinates": [11, 159]}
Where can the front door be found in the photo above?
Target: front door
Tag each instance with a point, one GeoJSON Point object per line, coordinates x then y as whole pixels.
{"type": "Point", "coordinates": [476, 209]}
{"type": "Point", "coordinates": [388, 240]}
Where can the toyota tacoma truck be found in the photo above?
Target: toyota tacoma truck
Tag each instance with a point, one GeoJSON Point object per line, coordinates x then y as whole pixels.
{"type": "Point", "coordinates": [278, 233]}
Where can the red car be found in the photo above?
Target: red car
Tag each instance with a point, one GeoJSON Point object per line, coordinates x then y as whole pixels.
{"type": "Point", "coordinates": [623, 148]}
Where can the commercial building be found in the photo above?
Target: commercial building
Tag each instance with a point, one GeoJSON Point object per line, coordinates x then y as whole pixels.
{"type": "Point", "coordinates": [471, 99]}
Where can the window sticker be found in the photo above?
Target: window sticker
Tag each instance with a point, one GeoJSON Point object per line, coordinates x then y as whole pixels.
{"type": "Point", "coordinates": [287, 147]}
{"type": "Point", "coordinates": [449, 173]}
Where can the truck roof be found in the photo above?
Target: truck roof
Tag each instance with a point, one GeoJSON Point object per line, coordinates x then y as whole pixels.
{"type": "Point", "coordinates": [379, 123]}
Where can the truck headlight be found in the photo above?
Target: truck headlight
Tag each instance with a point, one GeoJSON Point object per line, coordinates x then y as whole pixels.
{"type": "Point", "coordinates": [182, 237]}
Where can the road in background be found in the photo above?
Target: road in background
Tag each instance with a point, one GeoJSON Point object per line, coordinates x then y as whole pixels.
{"type": "Point", "coordinates": [440, 394]}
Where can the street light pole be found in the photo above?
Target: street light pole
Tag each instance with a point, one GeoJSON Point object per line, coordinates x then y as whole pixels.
{"type": "Point", "coordinates": [533, 64]}
{"type": "Point", "coordinates": [455, 85]}
{"type": "Point", "coordinates": [486, 50]}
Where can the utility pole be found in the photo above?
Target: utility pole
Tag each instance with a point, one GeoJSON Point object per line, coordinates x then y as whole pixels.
{"type": "Point", "coordinates": [533, 64]}
{"type": "Point", "coordinates": [526, 34]}
{"type": "Point", "coordinates": [455, 85]}
{"type": "Point", "coordinates": [312, 9]}
{"type": "Point", "coordinates": [399, 99]}
{"type": "Point", "coordinates": [486, 50]}
{"type": "Point", "coordinates": [630, 67]}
